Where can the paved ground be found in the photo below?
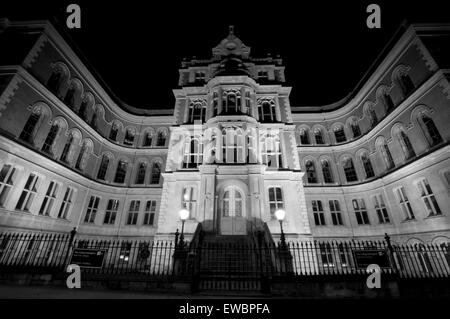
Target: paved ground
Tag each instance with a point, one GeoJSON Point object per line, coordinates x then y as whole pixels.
{"type": "Point", "coordinates": [49, 292]}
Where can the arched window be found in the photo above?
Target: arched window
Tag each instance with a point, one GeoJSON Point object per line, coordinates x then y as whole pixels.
{"type": "Point", "coordinates": [339, 134]}
{"type": "Point", "coordinates": [326, 171]}
{"type": "Point", "coordinates": [215, 104]}
{"type": "Point", "coordinates": [193, 153]}
{"type": "Point", "coordinates": [406, 145]}
{"type": "Point", "coordinates": [54, 82]}
{"type": "Point", "coordinates": [406, 84]}
{"type": "Point", "coordinates": [81, 157]}
{"type": "Point", "coordinates": [430, 130]}
{"type": "Point", "coordinates": [113, 132]}
{"type": "Point", "coordinates": [349, 170]}
{"type": "Point", "coordinates": [304, 136]}
{"type": "Point", "coordinates": [103, 168]}
{"type": "Point", "coordinates": [67, 148]}
{"type": "Point", "coordinates": [50, 139]}
{"type": "Point", "coordinates": [266, 111]}
{"type": "Point", "coordinates": [372, 116]}
{"type": "Point", "coordinates": [161, 138]}
{"type": "Point", "coordinates": [29, 129]}
{"type": "Point", "coordinates": [231, 101]}
{"type": "Point", "coordinates": [248, 103]}
{"type": "Point", "coordinates": [69, 98]}
{"type": "Point", "coordinates": [387, 156]}
{"type": "Point", "coordinates": [121, 172]}
{"type": "Point", "coordinates": [232, 203]}
{"type": "Point", "coordinates": [197, 112]}
{"type": "Point", "coordinates": [156, 173]}
{"type": "Point", "coordinates": [82, 111]}
{"type": "Point", "coordinates": [140, 176]}
{"type": "Point", "coordinates": [311, 172]}
{"type": "Point", "coordinates": [148, 138]}
{"type": "Point", "coordinates": [355, 129]}
{"type": "Point", "coordinates": [129, 137]}
{"type": "Point", "coordinates": [275, 200]}
{"type": "Point", "coordinates": [94, 120]}
{"type": "Point", "coordinates": [388, 103]}
{"type": "Point", "coordinates": [367, 164]}
{"type": "Point", "coordinates": [318, 136]}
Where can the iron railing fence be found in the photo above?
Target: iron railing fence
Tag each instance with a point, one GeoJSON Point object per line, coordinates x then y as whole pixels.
{"type": "Point", "coordinates": [52, 252]}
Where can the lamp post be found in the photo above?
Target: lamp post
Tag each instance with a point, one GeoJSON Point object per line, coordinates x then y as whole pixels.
{"type": "Point", "coordinates": [184, 214]}
{"type": "Point", "coordinates": [280, 214]}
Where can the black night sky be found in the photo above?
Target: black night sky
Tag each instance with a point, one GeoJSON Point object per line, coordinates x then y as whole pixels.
{"type": "Point", "coordinates": [137, 47]}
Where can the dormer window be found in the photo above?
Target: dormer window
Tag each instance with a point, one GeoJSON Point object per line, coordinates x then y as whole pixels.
{"type": "Point", "coordinates": [263, 75]}
{"type": "Point", "coordinates": [200, 76]}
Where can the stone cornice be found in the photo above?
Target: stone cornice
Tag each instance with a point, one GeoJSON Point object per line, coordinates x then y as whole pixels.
{"type": "Point", "coordinates": [64, 172]}
{"type": "Point", "coordinates": [91, 83]}
{"type": "Point", "coordinates": [81, 124]}
{"type": "Point", "coordinates": [428, 85]}
{"type": "Point", "coordinates": [406, 40]}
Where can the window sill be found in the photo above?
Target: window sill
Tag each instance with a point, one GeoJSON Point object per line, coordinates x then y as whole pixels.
{"type": "Point", "coordinates": [434, 216]}
{"type": "Point", "coordinates": [408, 220]}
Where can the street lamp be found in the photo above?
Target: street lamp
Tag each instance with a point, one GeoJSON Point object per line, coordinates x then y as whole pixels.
{"type": "Point", "coordinates": [184, 214]}
{"type": "Point", "coordinates": [280, 214]}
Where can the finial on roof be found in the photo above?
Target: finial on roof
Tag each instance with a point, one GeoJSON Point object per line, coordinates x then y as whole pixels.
{"type": "Point", "coordinates": [231, 29]}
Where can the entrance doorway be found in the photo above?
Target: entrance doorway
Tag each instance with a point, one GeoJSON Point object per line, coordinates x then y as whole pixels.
{"type": "Point", "coordinates": [232, 220]}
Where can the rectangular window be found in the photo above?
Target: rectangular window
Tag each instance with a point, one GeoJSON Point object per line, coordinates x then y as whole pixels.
{"type": "Point", "coordinates": [336, 215]}
{"type": "Point", "coordinates": [111, 212]}
{"type": "Point", "coordinates": [49, 199]}
{"type": "Point", "coordinates": [92, 210]}
{"type": "Point", "coordinates": [188, 200]}
{"type": "Point", "coordinates": [133, 212]}
{"type": "Point", "coordinates": [319, 216]}
{"type": "Point", "coordinates": [404, 204]}
{"type": "Point", "coordinates": [271, 151]}
{"type": "Point", "coordinates": [200, 76]}
{"type": "Point", "coordinates": [28, 193]}
{"type": "Point", "coordinates": [428, 198]}
{"type": "Point", "coordinates": [326, 255]}
{"type": "Point", "coordinates": [149, 214]}
{"type": "Point", "coordinates": [66, 204]}
{"type": "Point", "coordinates": [359, 207]}
{"type": "Point", "coordinates": [263, 75]}
{"type": "Point", "coordinates": [447, 178]}
{"type": "Point", "coordinates": [380, 208]}
{"type": "Point", "coordinates": [275, 200]}
{"type": "Point", "coordinates": [6, 182]}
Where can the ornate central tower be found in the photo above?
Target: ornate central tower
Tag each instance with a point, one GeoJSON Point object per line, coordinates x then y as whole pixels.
{"type": "Point", "coordinates": [232, 159]}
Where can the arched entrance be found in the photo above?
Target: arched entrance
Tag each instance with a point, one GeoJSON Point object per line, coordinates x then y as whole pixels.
{"type": "Point", "coordinates": [233, 216]}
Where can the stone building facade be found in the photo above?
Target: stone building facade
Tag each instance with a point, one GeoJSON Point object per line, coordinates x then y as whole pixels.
{"type": "Point", "coordinates": [232, 150]}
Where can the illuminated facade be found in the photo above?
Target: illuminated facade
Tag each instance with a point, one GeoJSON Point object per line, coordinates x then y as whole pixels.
{"type": "Point", "coordinates": [232, 150]}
